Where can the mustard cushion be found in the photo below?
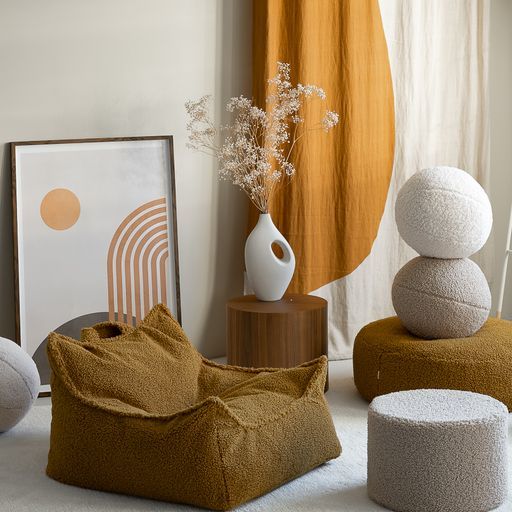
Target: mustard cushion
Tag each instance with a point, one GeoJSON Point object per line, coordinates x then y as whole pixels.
{"type": "Point", "coordinates": [388, 358]}
{"type": "Point", "coordinates": [140, 411]}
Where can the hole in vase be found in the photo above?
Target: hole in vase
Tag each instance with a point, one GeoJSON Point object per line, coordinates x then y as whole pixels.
{"type": "Point", "coordinates": [277, 250]}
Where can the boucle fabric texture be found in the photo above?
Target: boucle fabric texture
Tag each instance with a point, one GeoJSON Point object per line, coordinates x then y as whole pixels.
{"type": "Point", "coordinates": [388, 358]}
{"type": "Point", "coordinates": [437, 451]}
{"type": "Point", "coordinates": [441, 298]}
{"type": "Point", "coordinates": [19, 383]}
{"type": "Point", "coordinates": [140, 411]}
{"type": "Point", "coordinates": [443, 212]}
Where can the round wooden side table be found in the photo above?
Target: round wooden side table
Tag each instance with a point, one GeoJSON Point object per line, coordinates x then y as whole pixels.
{"type": "Point", "coordinates": [279, 334]}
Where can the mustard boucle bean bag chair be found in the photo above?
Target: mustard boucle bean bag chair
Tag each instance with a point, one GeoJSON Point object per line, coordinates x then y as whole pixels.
{"type": "Point", "coordinates": [140, 411]}
{"type": "Point", "coordinates": [388, 358]}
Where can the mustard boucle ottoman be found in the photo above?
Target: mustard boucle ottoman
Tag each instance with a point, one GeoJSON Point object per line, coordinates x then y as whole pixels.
{"type": "Point", "coordinates": [388, 358]}
{"type": "Point", "coordinates": [140, 411]}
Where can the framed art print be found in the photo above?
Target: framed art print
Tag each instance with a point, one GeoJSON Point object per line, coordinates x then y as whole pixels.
{"type": "Point", "coordinates": [95, 236]}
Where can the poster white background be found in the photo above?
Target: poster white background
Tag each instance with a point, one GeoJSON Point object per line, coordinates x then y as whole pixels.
{"type": "Point", "coordinates": [63, 273]}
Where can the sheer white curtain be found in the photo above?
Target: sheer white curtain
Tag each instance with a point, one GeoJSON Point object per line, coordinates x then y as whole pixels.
{"type": "Point", "coordinates": [438, 51]}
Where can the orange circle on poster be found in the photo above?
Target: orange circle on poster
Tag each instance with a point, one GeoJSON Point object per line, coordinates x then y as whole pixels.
{"type": "Point", "coordinates": [60, 209]}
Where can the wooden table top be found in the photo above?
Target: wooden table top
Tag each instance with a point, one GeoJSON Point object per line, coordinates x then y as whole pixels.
{"type": "Point", "coordinates": [290, 303]}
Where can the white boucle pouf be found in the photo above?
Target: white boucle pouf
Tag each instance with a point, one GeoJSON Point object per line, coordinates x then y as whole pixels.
{"type": "Point", "coordinates": [19, 383]}
{"type": "Point", "coordinates": [443, 213]}
{"type": "Point", "coordinates": [437, 451]}
{"type": "Point", "coordinates": [437, 298]}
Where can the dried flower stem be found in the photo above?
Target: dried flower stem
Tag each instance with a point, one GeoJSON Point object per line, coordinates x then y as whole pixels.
{"type": "Point", "coordinates": [255, 153]}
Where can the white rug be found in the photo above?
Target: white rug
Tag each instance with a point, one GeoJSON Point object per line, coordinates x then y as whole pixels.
{"type": "Point", "coordinates": [339, 485]}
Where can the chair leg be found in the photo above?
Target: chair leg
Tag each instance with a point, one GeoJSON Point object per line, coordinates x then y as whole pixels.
{"type": "Point", "coordinates": [508, 252]}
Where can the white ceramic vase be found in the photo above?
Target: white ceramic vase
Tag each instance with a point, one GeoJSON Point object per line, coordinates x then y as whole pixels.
{"type": "Point", "coordinates": [268, 275]}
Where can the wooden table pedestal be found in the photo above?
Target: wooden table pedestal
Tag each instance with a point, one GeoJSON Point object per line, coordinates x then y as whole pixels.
{"type": "Point", "coordinates": [279, 334]}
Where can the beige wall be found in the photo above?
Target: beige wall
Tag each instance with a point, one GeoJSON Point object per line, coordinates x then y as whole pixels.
{"type": "Point", "coordinates": [96, 68]}
{"type": "Point", "coordinates": [500, 81]}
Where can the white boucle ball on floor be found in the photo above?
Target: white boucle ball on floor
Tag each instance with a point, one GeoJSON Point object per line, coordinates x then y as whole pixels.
{"type": "Point", "coordinates": [436, 298]}
{"type": "Point", "coordinates": [19, 383]}
{"type": "Point", "coordinates": [443, 213]}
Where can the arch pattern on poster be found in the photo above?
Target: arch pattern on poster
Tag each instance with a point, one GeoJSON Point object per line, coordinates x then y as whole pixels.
{"type": "Point", "coordinates": [137, 263]}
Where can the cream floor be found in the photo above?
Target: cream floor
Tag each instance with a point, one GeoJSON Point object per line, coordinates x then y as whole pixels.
{"type": "Point", "coordinates": [336, 486]}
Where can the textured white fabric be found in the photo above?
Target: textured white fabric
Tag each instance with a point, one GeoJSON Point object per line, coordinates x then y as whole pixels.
{"type": "Point", "coordinates": [436, 298]}
{"type": "Point", "coordinates": [439, 407]}
{"type": "Point", "coordinates": [438, 51]}
{"type": "Point", "coordinates": [437, 450]}
{"type": "Point", "coordinates": [443, 212]}
{"type": "Point", "coordinates": [338, 486]}
{"type": "Point", "coordinates": [19, 383]}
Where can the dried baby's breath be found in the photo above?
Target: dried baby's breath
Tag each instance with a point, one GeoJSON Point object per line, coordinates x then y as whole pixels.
{"type": "Point", "coordinates": [257, 145]}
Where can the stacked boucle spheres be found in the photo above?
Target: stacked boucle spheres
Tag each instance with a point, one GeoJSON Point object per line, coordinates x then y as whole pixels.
{"type": "Point", "coordinates": [446, 216]}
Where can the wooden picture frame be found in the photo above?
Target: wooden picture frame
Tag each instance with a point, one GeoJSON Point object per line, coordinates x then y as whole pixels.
{"type": "Point", "coordinates": [95, 235]}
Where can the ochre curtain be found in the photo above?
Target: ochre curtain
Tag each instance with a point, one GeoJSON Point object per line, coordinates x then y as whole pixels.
{"type": "Point", "coordinates": [330, 212]}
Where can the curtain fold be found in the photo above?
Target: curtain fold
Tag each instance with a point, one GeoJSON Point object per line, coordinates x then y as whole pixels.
{"type": "Point", "coordinates": [330, 212]}
{"type": "Point", "coordinates": [414, 73]}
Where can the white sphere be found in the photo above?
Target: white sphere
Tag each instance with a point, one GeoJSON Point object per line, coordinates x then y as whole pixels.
{"type": "Point", "coordinates": [443, 213]}
{"type": "Point", "coordinates": [19, 383]}
{"type": "Point", "coordinates": [436, 298]}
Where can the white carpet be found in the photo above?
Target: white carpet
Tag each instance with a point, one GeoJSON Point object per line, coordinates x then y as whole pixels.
{"type": "Point", "coordinates": [339, 485]}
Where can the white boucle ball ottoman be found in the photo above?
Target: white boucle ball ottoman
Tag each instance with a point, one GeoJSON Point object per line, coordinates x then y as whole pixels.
{"type": "Point", "coordinates": [437, 298]}
{"type": "Point", "coordinates": [443, 213]}
{"type": "Point", "coordinates": [19, 383]}
{"type": "Point", "coordinates": [437, 451]}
